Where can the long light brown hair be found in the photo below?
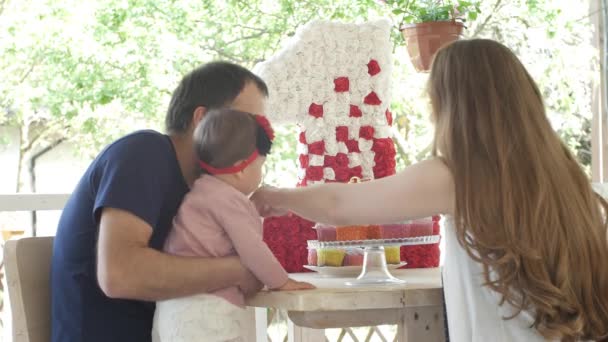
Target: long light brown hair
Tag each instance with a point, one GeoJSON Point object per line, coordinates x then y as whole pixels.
{"type": "Point", "coordinates": [524, 207]}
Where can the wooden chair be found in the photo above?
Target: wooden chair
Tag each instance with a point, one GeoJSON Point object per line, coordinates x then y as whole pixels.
{"type": "Point", "coordinates": [28, 265]}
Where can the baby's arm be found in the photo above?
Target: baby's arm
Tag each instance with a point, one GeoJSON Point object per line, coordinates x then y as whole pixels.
{"type": "Point", "coordinates": [244, 227]}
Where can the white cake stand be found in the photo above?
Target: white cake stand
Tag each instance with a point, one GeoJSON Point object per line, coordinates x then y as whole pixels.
{"type": "Point", "coordinates": [375, 270]}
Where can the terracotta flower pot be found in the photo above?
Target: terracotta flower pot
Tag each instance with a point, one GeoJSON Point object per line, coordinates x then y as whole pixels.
{"type": "Point", "coordinates": [424, 39]}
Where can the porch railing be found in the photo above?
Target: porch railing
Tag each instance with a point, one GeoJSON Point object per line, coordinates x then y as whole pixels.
{"type": "Point", "coordinates": [278, 327]}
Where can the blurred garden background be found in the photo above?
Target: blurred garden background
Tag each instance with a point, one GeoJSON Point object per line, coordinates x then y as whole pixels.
{"type": "Point", "coordinates": [79, 74]}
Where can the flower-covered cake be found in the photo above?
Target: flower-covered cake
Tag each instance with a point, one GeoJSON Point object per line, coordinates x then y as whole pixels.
{"type": "Point", "coordinates": [333, 80]}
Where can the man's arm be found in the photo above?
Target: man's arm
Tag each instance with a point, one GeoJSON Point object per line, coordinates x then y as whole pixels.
{"type": "Point", "coordinates": [128, 268]}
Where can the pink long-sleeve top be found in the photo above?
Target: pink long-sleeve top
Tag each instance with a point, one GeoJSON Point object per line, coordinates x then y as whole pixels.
{"type": "Point", "coordinates": [217, 220]}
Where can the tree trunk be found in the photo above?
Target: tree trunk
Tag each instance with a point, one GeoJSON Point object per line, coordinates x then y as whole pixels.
{"type": "Point", "coordinates": [25, 148]}
{"type": "Point", "coordinates": [31, 147]}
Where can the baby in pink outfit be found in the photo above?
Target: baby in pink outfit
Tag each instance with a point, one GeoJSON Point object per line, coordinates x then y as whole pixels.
{"type": "Point", "coordinates": [217, 219]}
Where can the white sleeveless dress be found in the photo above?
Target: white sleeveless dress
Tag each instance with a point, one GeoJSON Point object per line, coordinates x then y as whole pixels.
{"type": "Point", "coordinates": [472, 309]}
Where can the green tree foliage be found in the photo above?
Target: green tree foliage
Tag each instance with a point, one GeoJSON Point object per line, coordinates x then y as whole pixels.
{"type": "Point", "coordinates": [554, 41]}
{"type": "Point", "coordinates": [92, 71]}
{"type": "Point", "coordinates": [420, 11]}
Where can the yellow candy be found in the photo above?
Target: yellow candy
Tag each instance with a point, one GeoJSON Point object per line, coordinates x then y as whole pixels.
{"type": "Point", "coordinates": [330, 257]}
{"type": "Point", "coordinates": [393, 255]}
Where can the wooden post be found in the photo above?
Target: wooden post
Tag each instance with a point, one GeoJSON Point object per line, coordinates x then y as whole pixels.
{"type": "Point", "coordinates": [423, 323]}
{"type": "Point", "coordinates": [599, 128]}
{"type": "Point", "coordinates": [261, 324]}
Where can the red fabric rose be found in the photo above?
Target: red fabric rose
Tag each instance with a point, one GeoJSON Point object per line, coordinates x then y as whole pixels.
{"type": "Point", "coordinates": [356, 171]}
{"type": "Point", "coordinates": [297, 245]}
{"type": "Point", "coordinates": [329, 161]}
{"type": "Point", "coordinates": [382, 145]}
{"type": "Point", "coordinates": [384, 164]}
{"type": "Point", "coordinates": [341, 84]}
{"type": "Point", "coordinates": [389, 117]}
{"type": "Point", "coordinates": [309, 233]}
{"type": "Point", "coordinates": [373, 68]}
{"type": "Point", "coordinates": [314, 173]}
{"type": "Point", "coordinates": [286, 237]}
{"type": "Point", "coordinates": [280, 252]}
{"type": "Point", "coordinates": [341, 133]}
{"type": "Point", "coordinates": [353, 146]}
{"type": "Point", "coordinates": [271, 229]}
{"type": "Point", "coordinates": [315, 110]}
{"type": "Point", "coordinates": [342, 159]}
{"type": "Point", "coordinates": [316, 147]}
{"type": "Point", "coordinates": [304, 223]}
{"type": "Point", "coordinates": [366, 132]}
{"type": "Point", "coordinates": [302, 138]}
{"type": "Point", "coordinates": [273, 237]}
{"type": "Point", "coordinates": [355, 112]}
{"type": "Point", "coordinates": [304, 160]}
{"type": "Point", "coordinates": [342, 174]}
{"type": "Point", "coordinates": [384, 158]}
{"type": "Point", "coordinates": [265, 124]}
{"type": "Point", "coordinates": [382, 172]}
{"type": "Point", "coordinates": [421, 256]}
{"type": "Point", "coordinates": [297, 258]}
{"type": "Point", "coordinates": [372, 99]}
{"type": "Point", "coordinates": [436, 224]}
{"type": "Point", "coordinates": [291, 233]}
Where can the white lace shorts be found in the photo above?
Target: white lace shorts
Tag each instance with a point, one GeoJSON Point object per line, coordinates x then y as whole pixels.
{"type": "Point", "coordinates": [197, 318]}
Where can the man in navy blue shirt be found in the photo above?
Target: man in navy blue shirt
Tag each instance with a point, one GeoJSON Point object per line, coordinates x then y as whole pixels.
{"type": "Point", "coordinates": [107, 266]}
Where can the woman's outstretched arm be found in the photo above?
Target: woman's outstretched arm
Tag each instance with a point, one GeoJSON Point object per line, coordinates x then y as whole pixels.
{"type": "Point", "coordinates": [421, 190]}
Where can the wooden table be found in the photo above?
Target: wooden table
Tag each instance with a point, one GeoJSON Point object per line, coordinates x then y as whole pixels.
{"type": "Point", "coordinates": [416, 307]}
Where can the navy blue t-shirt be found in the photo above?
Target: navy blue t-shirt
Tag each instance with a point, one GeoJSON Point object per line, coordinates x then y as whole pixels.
{"type": "Point", "coordinates": [138, 173]}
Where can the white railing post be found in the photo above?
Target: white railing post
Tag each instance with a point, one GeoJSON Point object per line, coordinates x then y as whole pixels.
{"type": "Point", "coordinates": [32, 202]}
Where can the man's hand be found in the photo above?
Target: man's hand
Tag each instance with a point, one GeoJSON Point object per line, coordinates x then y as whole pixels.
{"type": "Point", "coordinates": [261, 202]}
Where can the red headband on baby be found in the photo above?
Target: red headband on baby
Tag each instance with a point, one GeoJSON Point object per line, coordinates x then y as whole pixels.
{"type": "Point", "coordinates": [262, 122]}
{"type": "Point", "coordinates": [265, 124]}
{"type": "Point", "coordinates": [231, 169]}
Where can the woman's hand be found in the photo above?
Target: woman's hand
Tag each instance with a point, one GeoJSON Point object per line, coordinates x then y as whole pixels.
{"type": "Point", "coordinates": [293, 285]}
{"type": "Point", "coordinates": [260, 199]}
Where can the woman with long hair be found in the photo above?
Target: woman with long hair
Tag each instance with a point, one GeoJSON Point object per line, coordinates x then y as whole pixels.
{"type": "Point", "coordinates": [526, 254]}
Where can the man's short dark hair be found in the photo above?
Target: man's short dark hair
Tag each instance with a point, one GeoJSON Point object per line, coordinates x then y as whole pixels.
{"type": "Point", "coordinates": [213, 85]}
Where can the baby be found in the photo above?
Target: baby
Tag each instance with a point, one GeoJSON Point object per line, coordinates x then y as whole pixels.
{"type": "Point", "coordinates": [217, 219]}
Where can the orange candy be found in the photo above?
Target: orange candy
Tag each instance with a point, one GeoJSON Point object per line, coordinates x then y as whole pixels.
{"type": "Point", "coordinates": [358, 233]}
{"type": "Point", "coordinates": [351, 233]}
{"type": "Point", "coordinates": [374, 232]}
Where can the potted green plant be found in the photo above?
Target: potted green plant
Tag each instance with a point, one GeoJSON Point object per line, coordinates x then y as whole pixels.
{"type": "Point", "coordinates": [427, 25]}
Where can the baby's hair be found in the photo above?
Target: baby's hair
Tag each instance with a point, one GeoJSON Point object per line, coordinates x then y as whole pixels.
{"type": "Point", "coordinates": [225, 136]}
